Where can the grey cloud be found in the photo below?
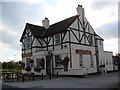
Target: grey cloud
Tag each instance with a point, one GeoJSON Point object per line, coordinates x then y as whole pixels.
{"type": "Point", "coordinates": [15, 15]}
{"type": "Point", "coordinates": [119, 30]}
{"type": "Point", "coordinates": [10, 39]}
{"type": "Point", "coordinates": [101, 5]}
{"type": "Point", "coordinates": [109, 30]}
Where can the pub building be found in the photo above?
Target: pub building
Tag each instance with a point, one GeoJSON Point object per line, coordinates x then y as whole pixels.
{"type": "Point", "coordinates": [68, 47]}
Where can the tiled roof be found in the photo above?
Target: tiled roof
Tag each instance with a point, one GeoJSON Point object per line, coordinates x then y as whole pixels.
{"type": "Point", "coordinates": [40, 31]}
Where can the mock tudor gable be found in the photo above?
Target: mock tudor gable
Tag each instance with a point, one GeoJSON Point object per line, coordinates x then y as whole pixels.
{"type": "Point", "coordinates": [73, 38]}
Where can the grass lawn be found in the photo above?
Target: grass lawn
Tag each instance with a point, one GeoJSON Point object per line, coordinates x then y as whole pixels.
{"type": "Point", "coordinates": [11, 70]}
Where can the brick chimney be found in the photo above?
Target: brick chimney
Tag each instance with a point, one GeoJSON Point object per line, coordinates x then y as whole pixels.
{"type": "Point", "coordinates": [45, 23]}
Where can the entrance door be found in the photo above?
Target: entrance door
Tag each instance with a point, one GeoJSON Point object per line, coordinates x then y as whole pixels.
{"type": "Point", "coordinates": [48, 65]}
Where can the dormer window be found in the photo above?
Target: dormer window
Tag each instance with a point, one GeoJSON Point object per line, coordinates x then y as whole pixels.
{"type": "Point", "coordinates": [28, 43]}
{"type": "Point", "coordinates": [57, 39]}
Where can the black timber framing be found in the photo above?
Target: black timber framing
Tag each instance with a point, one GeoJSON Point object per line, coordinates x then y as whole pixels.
{"type": "Point", "coordinates": [78, 29]}
{"type": "Point", "coordinates": [27, 36]}
{"type": "Point", "coordinates": [64, 35]}
{"type": "Point", "coordinates": [61, 40]}
{"type": "Point", "coordinates": [74, 35]}
{"type": "Point", "coordinates": [59, 44]}
{"type": "Point", "coordinates": [49, 39]}
{"type": "Point", "coordinates": [53, 43]}
{"type": "Point", "coordinates": [81, 31]}
{"type": "Point", "coordinates": [45, 43]}
{"type": "Point", "coordinates": [70, 50]}
{"type": "Point", "coordinates": [39, 42]}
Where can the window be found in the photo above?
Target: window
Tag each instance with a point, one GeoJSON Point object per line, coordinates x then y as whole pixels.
{"type": "Point", "coordinates": [28, 42]}
{"type": "Point", "coordinates": [57, 61]}
{"type": "Point", "coordinates": [91, 39]}
{"type": "Point", "coordinates": [91, 61]}
{"type": "Point", "coordinates": [38, 62]}
{"type": "Point", "coordinates": [27, 62]}
{"type": "Point", "coordinates": [57, 39]}
{"type": "Point", "coordinates": [81, 60]}
{"type": "Point", "coordinates": [100, 42]}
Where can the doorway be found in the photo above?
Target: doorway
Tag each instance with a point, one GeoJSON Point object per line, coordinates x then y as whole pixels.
{"type": "Point", "coordinates": [48, 65]}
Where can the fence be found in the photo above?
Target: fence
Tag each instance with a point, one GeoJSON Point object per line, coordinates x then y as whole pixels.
{"type": "Point", "coordinates": [19, 77]}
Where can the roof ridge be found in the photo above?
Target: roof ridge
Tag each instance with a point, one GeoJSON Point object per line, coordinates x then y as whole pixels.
{"type": "Point", "coordinates": [33, 24]}
{"type": "Point", "coordinates": [64, 19]}
{"type": "Point", "coordinates": [51, 26]}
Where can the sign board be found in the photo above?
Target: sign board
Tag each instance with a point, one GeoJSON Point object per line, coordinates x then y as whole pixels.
{"type": "Point", "coordinates": [78, 51]}
{"type": "Point", "coordinates": [26, 55]}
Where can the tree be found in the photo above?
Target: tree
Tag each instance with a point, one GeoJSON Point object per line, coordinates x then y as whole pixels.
{"type": "Point", "coordinates": [10, 65]}
{"type": "Point", "coordinates": [4, 65]}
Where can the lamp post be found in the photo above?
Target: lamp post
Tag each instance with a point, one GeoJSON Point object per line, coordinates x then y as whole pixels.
{"type": "Point", "coordinates": [15, 57]}
{"type": "Point", "coordinates": [7, 64]}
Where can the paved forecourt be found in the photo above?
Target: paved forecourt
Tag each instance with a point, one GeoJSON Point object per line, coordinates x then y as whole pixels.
{"type": "Point", "coordinates": [109, 80]}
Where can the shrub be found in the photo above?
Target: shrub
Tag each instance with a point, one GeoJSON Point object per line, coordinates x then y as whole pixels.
{"type": "Point", "coordinates": [37, 69]}
{"type": "Point", "coordinates": [28, 68]}
{"type": "Point", "coordinates": [65, 61]}
{"type": "Point", "coordinates": [31, 61]}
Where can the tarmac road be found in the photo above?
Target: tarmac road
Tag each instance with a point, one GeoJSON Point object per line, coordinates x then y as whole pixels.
{"type": "Point", "coordinates": [109, 80]}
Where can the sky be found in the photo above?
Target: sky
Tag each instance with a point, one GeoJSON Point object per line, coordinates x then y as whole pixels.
{"type": "Point", "coordinates": [14, 14]}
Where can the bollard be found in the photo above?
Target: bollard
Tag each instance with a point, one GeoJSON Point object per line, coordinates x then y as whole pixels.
{"type": "Point", "coordinates": [33, 75]}
{"type": "Point", "coordinates": [17, 77]}
{"type": "Point", "coordinates": [23, 77]}
{"type": "Point", "coordinates": [8, 76]}
{"type": "Point", "coordinates": [57, 74]}
{"type": "Point", "coordinates": [42, 76]}
{"type": "Point", "coordinates": [50, 76]}
{"type": "Point", "coordinates": [4, 77]}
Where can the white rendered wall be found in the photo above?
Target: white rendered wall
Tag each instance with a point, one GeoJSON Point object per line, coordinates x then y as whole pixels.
{"type": "Point", "coordinates": [108, 57]}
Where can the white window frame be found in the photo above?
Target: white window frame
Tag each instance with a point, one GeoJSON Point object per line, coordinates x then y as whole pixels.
{"type": "Point", "coordinates": [56, 60]}
{"type": "Point", "coordinates": [28, 41]}
{"type": "Point", "coordinates": [81, 60]}
{"type": "Point", "coordinates": [38, 60]}
{"type": "Point", "coordinates": [57, 39]}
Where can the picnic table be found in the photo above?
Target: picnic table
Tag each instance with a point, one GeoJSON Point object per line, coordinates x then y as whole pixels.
{"type": "Point", "coordinates": [7, 76]}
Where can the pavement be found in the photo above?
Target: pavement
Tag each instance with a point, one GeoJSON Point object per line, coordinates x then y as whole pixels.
{"type": "Point", "coordinates": [109, 80]}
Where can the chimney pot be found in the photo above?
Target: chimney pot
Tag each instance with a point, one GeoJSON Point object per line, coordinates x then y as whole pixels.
{"type": "Point", "coordinates": [45, 23]}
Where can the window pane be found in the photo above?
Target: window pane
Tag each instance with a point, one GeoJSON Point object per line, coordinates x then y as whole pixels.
{"type": "Point", "coordinates": [38, 62]}
{"type": "Point", "coordinates": [57, 61]}
{"type": "Point", "coordinates": [28, 42]}
{"type": "Point", "coordinates": [57, 39]}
